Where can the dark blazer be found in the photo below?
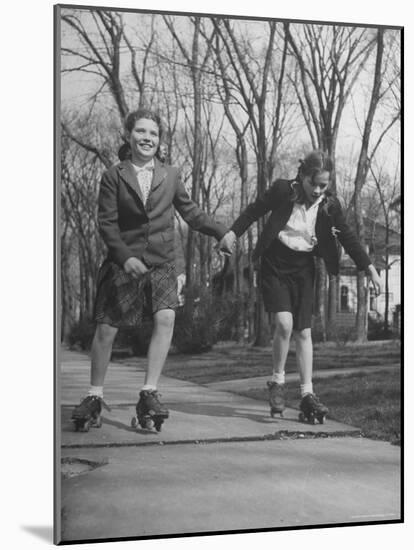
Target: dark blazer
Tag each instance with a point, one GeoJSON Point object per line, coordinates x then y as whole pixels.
{"type": "Point", "coordinates": [278, 200]}
{"type": "Point", "coordinates": [130, 228]}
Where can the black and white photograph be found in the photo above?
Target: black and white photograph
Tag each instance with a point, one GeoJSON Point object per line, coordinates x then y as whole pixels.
{"type": "Point", "coordinates": [229, 265]}
{"type": "Point", "coordinates": [228, 204]}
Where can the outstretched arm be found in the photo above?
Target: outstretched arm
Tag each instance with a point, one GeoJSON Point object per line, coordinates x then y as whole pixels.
{"type": "Point", "coordinates": [196, 218]}
{"type": "Point", "coordinates": [255, 210]}
{"type": "Point", "coordinates": [250, 214]}
{"type": "Point", "coordinates": [352, 246]}
{"type": "Point", "coordinates": [348, 238]}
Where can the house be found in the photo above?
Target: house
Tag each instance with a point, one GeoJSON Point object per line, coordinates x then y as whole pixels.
{"type": "Point", "coordinates": [385, 252]}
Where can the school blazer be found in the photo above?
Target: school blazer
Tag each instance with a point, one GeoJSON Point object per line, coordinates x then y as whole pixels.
{"type": "Point", "coordinates": [278, 200]}
{"type": "Point", "coordinates": [130, 228]}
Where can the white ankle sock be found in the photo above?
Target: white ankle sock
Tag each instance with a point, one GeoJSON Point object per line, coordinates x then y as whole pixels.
{"type": "Point", "coordinates": [96, 390]}
{"type": "Point", "coordinates": [306, 388]}
{"type": "Point", "coordinates": [278, 377]}
{"type": "Point", "coordinates": [148, 387]}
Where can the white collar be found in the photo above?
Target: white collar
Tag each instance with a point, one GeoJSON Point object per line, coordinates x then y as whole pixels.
{"type": "Point", "coordinates": [150, 165]}
{"type": "Point", "coordinates": [316, 203]}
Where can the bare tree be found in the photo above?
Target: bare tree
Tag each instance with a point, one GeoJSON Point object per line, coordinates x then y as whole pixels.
{"type": "Point", "coordinates": [387, 193]}
{"type": "Point", "coordinates": [246, 82]}
{"type": "Point", "coordinates": [97, 43]}
{"type": "Point", "coordinates": [196, 59]}
{"type": "Point", "coordinates": [101, 36]}
{"type": "Point", "coordinates": [82, 249]}
{"type": "Point", "coordinates": [330, 59]}
{"type": "Point", "coordinates": [380, 87]}
{"type": "Point", "coordinates": [226, 94]}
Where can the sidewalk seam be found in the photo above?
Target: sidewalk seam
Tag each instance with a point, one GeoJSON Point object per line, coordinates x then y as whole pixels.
{"type": "Point", "coordinates": [277, 436]}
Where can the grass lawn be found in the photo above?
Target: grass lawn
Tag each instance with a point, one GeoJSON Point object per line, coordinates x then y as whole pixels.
{"type": "Point", "coordinates": [232, 361]}
{"type": "Point", "coordinates": [369, 401]}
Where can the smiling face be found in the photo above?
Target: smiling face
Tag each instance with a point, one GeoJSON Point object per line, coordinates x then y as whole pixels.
{"type": "Point", "coordinates": [144, 139]}
{"type": "Point", "coordinates": [314, 187]}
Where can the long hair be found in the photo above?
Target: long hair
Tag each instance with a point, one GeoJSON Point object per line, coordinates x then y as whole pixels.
{"type": "Point", "coordinates": [124, 152]}
{"type": "Point", "coordinates": [313, 164]}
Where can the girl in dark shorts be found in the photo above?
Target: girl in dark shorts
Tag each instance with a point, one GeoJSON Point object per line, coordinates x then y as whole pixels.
{"type": "Point", "coordinates": [137, 200]}
{"type": "Point", "coordinates": [305, 219]}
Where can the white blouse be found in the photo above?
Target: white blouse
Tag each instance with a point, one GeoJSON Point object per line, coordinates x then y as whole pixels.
{"type": "Point", "coordinates": [299, 232]}
{"type": "Point", "coordinates": [144, 177]}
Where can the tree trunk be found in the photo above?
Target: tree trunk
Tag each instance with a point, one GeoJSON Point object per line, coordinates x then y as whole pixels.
{"type": "Point", "coordinates": [387, 280]}
{"type": "Point", "coordinates": [65, 295]}
{"type": "Point", "coordinates": [333, 279]}
{"type": "Point", "coordinates": [262, 332]}
{"type": "Point", "coordinates": [239, 265]}
{"type": "Point", "coordinates": [251, 296]}
{"type": "Point", "coordinates": [197, 153]}
{"type": "Point", "coordinates": [320, 299]}
{"type": "Point", "coordinates": [362, 310]}
{"type": "Point", "coordinates": [332, 306]}
{"type": "Point", "coordinates": [262, 327]}
{"type": "Point", "coordinates": [360, 178]}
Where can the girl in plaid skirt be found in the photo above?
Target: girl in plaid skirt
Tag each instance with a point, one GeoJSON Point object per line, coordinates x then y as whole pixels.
{"type": "Point", "coordinates": [137, 201]}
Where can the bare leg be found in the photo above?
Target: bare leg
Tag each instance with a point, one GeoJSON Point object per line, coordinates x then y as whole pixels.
{"type": "Point", "coordinates": [101, 352]}
{"type": "Point", "coordinates": [304, 354]}
{"type": "Point", "coordinates": [159, 345]}
{"type": "Point", "coordinates": [282, 325]}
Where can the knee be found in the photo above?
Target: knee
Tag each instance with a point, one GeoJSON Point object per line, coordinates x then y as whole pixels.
{"type": "Point", "coordinates": [165, 319]}
{"type": "Point", "coordinates": [105, 334]}
{"type": "Point", "coordinates": [303, 335]}
{"type": "Point", "coordinates": [283, 328]}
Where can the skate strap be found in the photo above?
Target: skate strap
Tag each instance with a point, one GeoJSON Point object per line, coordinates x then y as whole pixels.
{"type": "Point", "coordinates": [105, 405]}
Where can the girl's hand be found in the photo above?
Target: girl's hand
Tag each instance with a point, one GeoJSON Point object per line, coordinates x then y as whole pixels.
{"type": "Point", "coordinates": [226, 245]}
{"type": "Point", "coordinates": [135, 267]}
{"type": "Point", "coordinates": [335, 232]}
{"type": "Point", "coordinates": [375, 279]}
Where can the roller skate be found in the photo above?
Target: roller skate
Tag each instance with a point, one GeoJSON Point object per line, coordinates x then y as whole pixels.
{"type": "Point", "coordinates": [88, 413]}
{"type": "Point", "coordinates": [151, 413]}
{"type": "Point", "coordinates": [276, 398]}
{"type": "Point", "coordinates": [312, 409]}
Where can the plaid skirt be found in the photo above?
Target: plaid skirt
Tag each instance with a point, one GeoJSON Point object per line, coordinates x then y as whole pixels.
{"type": "Point", "coordinates": [121, 300]}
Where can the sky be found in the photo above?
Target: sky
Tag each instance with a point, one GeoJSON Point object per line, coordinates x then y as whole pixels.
{"type": "Point", "coordinates": [76, 88]}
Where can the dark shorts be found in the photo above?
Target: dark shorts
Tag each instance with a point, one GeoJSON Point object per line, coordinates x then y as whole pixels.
{"type": "Point", "coordinates": [288, 283]}
{"type": "Point", "coordinates": [122, 300]}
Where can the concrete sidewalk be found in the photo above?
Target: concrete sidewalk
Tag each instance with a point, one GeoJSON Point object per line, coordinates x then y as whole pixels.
{"type": "Point", "coordinates": [221, 463]}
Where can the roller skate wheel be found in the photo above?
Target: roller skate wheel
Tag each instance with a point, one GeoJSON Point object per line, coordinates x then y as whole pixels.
{"type": "Point", "coordinates": [158, 426]}
{"type": "Point", "coordinates": [149, 423]}
{"type": "Point", "coordinates": [83, 426]}
{"type": "Point", "coordinates": [97, 422]}
{"type": "Point", "coordinates": [134, 422]}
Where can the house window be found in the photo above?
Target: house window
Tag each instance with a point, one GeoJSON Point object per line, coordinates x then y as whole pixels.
{"type": "Point", "coordinates": [344, 298]}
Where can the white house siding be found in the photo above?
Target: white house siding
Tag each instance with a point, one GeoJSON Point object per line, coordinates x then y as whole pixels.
{"type": "Point", "coordinates": [394, 282]}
